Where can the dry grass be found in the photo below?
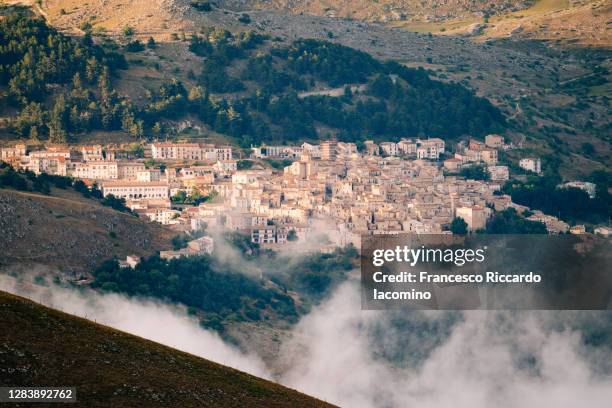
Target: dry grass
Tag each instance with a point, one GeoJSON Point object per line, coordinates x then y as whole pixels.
{"type": "Point", "coordinates": [571, 22]}
{"type": "Point", "coordinates": [67, 232]}
{"type": "Point", "coordinates": [112, 16]}
{"type": "Point", "coordinates": [446, 27]}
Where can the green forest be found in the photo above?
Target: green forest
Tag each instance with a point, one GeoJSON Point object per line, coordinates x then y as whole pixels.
{"type": "Point", "coordinates": [63, 88]}
{"type": "Point", "coordinates": [220, 292]}
{"type": "Point", "coordinates": [509, 222]}
{"type": "Point", "coordinates": [61, 85]}
{"type": "Point", "coordinates": [572, 205]}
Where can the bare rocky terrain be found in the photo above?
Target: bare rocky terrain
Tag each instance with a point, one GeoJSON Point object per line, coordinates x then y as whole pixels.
{"type": "Point", "coordinates": [384, 10]}
{"type": "Point", "coordinates": [573, 21]}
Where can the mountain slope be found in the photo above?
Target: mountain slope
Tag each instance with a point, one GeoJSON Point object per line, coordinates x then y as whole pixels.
{"type": "Point", "coordinates": [556, 98]}
{"type": "Point", "coordinates": [66, 232]}
{"type": "Point", "coordinates": [111, 368]}
{"type": "Point", "coordinates": [256, 78]}
{"type": "Point", "coordinates": [571, 22]}
{"type": "Point", "coordinates": [385, 10]}
{"type": "Point", "coordinates": [565, 22]}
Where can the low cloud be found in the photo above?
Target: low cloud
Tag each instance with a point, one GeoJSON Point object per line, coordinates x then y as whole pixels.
{"type": "Point", "coordinates": [340, 353]}
{"type": "Point", "coordinates": [156, 321]}
{"type": "Point", "coordinates": [499, 359]}
{"type": "Point", "coordinates": [322, 230]}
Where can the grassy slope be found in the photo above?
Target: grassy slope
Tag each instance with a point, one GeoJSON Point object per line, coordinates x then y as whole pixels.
{"type": "Point", "coordinates": [578, 22]}
{"type": "Point", "coordinates": [382, 10]}
{"type": "Point", "coordinates": [539, 7]}
{"type": "Point", "coordinates": [69, 232]}
{"type": "Point", "coordinates": [44, 347]}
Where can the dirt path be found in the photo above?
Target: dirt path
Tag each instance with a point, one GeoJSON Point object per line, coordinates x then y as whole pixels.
{"type": "Point", "coordinates": [64, 200]}
{"type": "Point", "coordinates": [332, 92]}
{"type": "Point", "coordinates": [46, 197]}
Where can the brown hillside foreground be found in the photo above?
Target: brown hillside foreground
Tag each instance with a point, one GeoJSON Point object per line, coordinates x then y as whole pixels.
{"type": "Point", "coordinates": [44, 347]}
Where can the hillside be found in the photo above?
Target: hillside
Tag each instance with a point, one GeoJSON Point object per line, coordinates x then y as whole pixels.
{"type": "Point", "coordinates": [384, 10]}
{"type": "Point", "coordinates": [112, 368]}
{"type": "Point", "coordinates": [246, 89]}
{"type": "Point", "coordinates": [67, 232]}
{"type": "Point", "coordinates": [566, 22]}
{"type": "Point", "coordinates": [555, 99]}
{"type": "Point", "coordinates": [573, 22]}
{"type": "Point", "coordinates": [569, 21]}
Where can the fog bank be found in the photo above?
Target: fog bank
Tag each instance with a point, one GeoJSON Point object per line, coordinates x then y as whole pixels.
{"type": "Point", "coordinates": [481, 359]}
{"type": "Point", "coordinates": [152, 320]}
{"type": "Point", "coordinates": [489, 359]}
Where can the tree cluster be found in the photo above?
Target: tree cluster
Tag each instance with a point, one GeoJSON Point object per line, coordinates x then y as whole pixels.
{"type": "Point", "coordinates": [397, 101]}
{"type": "Point", "coordinates": [569, 204]}
{"type": "Point", "coordinates": [222, 291]}
{"type": "Point", "coordinates": [199, 282]}
{"type": "Point", "coordinates": [62, 85]}
{"type": "Point", "coordinates": [509, 222]}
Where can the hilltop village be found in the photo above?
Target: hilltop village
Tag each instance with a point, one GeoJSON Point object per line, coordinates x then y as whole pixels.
{"type": "Point", "coordinates": [328, 194]}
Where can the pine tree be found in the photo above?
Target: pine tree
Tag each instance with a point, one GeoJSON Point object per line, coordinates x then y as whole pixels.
{"type": "Point", "coordinates": [75, 121]}
{"type": "Point", "coordinates": [104, 85]}
{"type": "Point", "coordinates": [459, 226]}
{"type": "Point", "coordinates": [58, 120]}
{"type": "Point", "coordinates": [34, 134]}
{"type": "Point", "coordinates": [77, 84]}
{"type": "Point", "coordinates": [87, 38]}
{"type": "Point", "coordinates": [137, 129]}
{"type": "Point", "coordinates": [127, 121]}
{"type": "Point", "coordinates": [92, 69]}
{"type": "Point", "coordinates": [157, 129]}
{"type": "Point", "coordinates": [31, 116]}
